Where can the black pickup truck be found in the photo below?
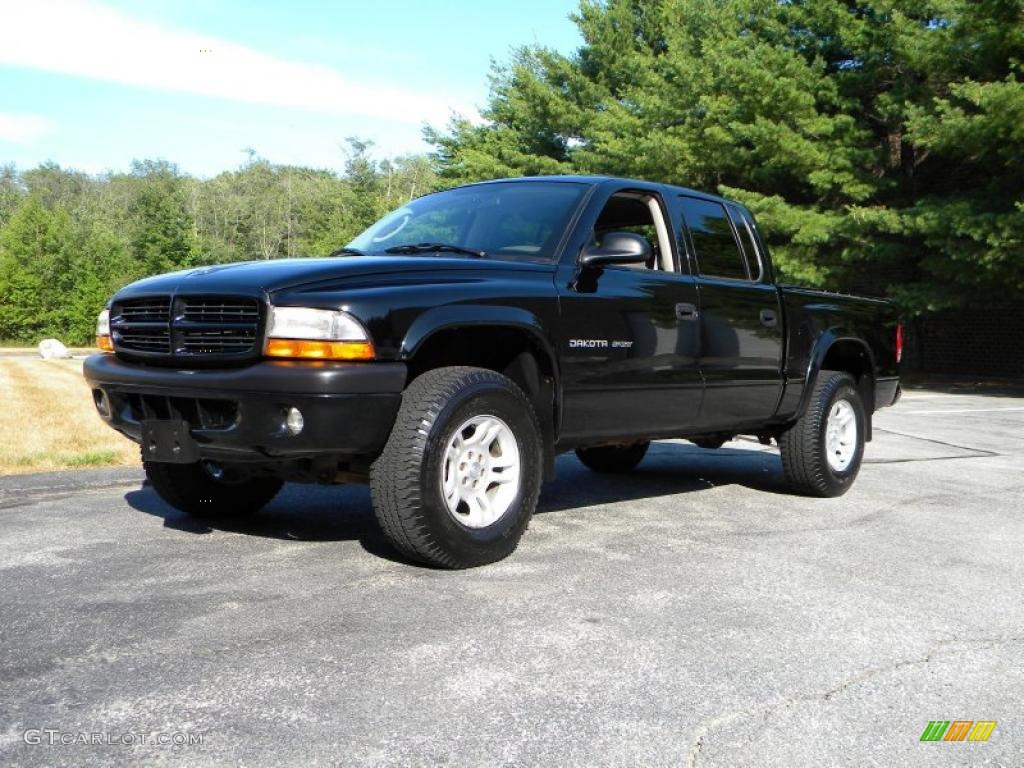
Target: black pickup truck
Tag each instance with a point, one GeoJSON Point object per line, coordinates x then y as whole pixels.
{"type": "Point", "coordinates": [448, 353]}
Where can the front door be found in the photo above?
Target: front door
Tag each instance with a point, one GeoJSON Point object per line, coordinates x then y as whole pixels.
{"type": "Point", "coordinates": [629, 335]}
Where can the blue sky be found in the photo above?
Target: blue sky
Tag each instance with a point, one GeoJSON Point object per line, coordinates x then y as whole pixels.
{"type": "Point", "coordinates": [94, 85]}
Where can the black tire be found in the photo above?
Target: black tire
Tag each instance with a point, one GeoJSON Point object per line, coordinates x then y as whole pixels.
{"type": "Point", "coordinates": [613, 458]}
{"type": "Point", "coordinates": [194, 489]}
{"type": "Point", "coordinates": [406, 479]}
{"type": "Point", "coordinates": [804, 448]}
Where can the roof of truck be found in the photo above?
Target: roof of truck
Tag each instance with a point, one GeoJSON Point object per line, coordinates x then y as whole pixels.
{"type": "Point", "coordinates": [586, 179]}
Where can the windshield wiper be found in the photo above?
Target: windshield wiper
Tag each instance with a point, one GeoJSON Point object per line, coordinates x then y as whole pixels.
{"type": "Point", "coordinates": [346, 251]}
{"type": "Point", "coordinates": [435, 247]}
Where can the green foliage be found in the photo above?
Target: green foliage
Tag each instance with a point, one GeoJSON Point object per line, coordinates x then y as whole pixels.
{"type": "Point", "coordinates": [10, 192]}
{"type": "Point", "coordinates": [879, 142]}
{"type": "Point", "coordinates": [68, 241]}
{"type": "Point", "coordinates": [35, 249]}
{"type": "Point", "coordinates": [160, 225]}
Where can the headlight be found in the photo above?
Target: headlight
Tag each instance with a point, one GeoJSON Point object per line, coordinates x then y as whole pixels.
{"type": "Point", "coordinates": [319, 334]}
{"type": "Point", "coordinates": [319, 324]}
{"type": "Point", "coordinates": [103, 332]}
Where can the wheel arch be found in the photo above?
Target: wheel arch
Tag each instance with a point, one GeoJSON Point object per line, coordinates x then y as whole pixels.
{"type": "Point", "coordinates": [509, 340]}
{"type": "Point", "coordinates": [840, 350]}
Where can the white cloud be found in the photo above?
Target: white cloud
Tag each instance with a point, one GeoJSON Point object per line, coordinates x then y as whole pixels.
{"type": "Point", "coordinates": [23, 129]}
{"type": "Point", "coordinates": [88, 39]}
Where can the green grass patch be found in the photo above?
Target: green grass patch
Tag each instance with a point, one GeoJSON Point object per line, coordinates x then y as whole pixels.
{"type": "Point", "coordinates": [63, 460]}
{"type": "Point", "coordinates": [89, 459]}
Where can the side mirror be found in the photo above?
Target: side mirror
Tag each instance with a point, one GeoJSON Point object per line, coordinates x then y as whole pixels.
{"type": "Point", "coordinates": [617, 248]}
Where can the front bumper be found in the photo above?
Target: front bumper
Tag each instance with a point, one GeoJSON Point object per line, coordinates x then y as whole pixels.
{"type": "Point", "coordinates": [348, 409]}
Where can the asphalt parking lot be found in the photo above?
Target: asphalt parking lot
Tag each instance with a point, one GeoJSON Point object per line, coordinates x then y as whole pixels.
{"type": "Point", "coordinates": [690, 613]}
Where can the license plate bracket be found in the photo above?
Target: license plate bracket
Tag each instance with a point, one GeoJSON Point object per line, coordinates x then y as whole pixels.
{"type": "Point", "coordinates": [168, 441]}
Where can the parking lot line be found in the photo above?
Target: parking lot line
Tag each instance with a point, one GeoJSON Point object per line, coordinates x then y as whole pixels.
{"type": "Point", "coordinates": [963, 410]}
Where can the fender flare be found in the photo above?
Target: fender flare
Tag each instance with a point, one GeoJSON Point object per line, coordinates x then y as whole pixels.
{"type": "Point", "coordinates": [439, 319]}
{"type": "Point", "coordinates": [829, 338]}
{"type": "Point", "coordinates": [444, 318]}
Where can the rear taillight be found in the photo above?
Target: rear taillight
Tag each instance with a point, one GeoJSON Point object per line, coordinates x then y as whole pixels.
{"type": "Point", "coordinates": [899, 342]}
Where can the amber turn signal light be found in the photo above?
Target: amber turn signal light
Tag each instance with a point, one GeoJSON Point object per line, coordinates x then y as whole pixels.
{"type": "Point", "coordinates": [319, 350]}
{"type": "Point", "coordinates": [104, 343]}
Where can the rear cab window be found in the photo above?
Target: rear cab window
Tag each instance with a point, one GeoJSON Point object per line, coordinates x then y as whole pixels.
{"type": "Point", "coordinates": [744, 225]}
{"type": "Point", "coordinates": [717, 251]}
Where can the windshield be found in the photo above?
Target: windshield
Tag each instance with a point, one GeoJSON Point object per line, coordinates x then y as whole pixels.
{"type": "Point", "coordinates": [505, 220]}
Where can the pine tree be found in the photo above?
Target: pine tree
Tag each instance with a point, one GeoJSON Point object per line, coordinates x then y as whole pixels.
{"type": "Point", "coordinates": [879, 142]}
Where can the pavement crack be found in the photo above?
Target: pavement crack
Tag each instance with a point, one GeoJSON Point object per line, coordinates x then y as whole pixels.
{"type": "Point", "coordinates": [978, 451]}
{"type": "Point", "coordinates": [939, 649]}
{"type": "Point", "coordinates": [931, 458]}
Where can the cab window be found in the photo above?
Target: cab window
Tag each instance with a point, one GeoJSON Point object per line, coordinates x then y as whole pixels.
{"type": "Point", "coordinates": [638, 213]}
{"type": "Point", "coordinates": [718, 253]}
{"type": "Point", "coordinates": [744, 226]}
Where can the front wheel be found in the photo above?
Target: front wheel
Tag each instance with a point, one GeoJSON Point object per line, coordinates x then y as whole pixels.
{"type": "Point", "coordinates": [458, 480]}
{"type": "Point", "coordinates": [209, 490]}
{"type": "Point", "coordinates": [822, 451]}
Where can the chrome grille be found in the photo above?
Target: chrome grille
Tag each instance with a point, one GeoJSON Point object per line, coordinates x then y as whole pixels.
{"type": "Point", "coordinates": [142, 325]}
{"type": "Point", "coordinates": [220, 311]}
{"type": "Point", "coordinates": [186, 327]}
{"type": "Point", "coordinates": [145, 341]}
{"type": "Point", "coordinates": [217, 341]}
{"type": "Point", "coordinates": [145, 310]}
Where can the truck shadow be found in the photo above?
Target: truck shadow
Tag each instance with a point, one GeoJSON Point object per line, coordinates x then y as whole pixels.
{"type": "Point", "coordinates": [667, 469]}
{"type": "Point", "coordinates": [309, 513]}
{"type": "Point", "coordinates": [297, 513]}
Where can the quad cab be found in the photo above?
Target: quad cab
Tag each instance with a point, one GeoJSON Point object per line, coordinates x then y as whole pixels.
{"type": "Point", "coordinates": [448, 353]}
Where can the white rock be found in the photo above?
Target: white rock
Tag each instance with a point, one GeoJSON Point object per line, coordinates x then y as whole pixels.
{"type": "Point", "coordinates": [51, 349]}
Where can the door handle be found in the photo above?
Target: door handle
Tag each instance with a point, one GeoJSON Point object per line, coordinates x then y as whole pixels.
{"type": "Point", "coordinates": [686, 311]}
{"type": "Point", "coordinates": [769, 319]}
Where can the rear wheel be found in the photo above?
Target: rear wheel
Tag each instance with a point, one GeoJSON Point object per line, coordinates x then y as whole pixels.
{"type": "Point", "coordinates": [458, 480]}
{"type": "Point", "coordinates": [210, 490]}
{"type": "Point", "coordinates": [822, 451]}
{"type": "Point", "coordinates": [613, 458]}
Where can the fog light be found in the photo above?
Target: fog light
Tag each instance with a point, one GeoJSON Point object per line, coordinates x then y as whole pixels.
{"type": "Point", "coordinates": [293, 421]}
{"type": "Point", "coordinates": [99, 397]}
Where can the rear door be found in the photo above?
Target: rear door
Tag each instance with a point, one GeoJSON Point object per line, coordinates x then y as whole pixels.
{"type": "Point", "coordinates": [741, 322]}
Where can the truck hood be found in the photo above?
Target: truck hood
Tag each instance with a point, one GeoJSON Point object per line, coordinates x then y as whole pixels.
{"type": "Point", "coordinates": [259, 278]}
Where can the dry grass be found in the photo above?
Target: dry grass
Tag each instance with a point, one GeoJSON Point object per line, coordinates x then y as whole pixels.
{"type": "Point", "coordinates": [6, 350]}
{"type": "Point", "coordinates": [48, 421]}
